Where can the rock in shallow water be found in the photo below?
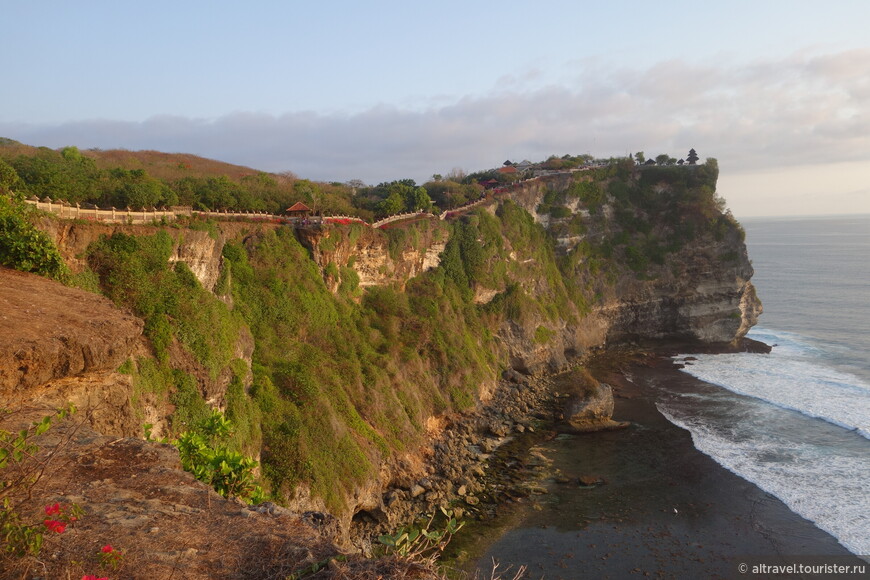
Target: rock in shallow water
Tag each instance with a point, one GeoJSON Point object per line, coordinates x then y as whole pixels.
{"type": "Point", "coordinates": [591, 409]}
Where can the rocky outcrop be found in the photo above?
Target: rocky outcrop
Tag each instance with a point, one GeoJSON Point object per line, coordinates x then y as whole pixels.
{"type": "Point", "coordinates": [591, 410]}
{"type": "Point", "coordinates": [49, 331]}
{"type": "Point", "coordinates": [202, 254]}
{"type": "Point", "coordinates": [702, 298]}
{"type": "Point", "coordinates": [136, 498]}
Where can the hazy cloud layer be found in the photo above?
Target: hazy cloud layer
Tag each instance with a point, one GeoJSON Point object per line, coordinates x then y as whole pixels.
{"type": "Point", "coordinates": [804, 109]}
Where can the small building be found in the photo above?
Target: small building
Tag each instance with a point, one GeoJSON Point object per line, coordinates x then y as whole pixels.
{"type": "Point", "coordinates": [507, 169]}
{"type": "Point", "coordinates": [298, 210]}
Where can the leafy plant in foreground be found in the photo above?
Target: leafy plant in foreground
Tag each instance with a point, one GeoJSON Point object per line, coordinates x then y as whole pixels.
{"type": "Point", "coordinates": [205, 454]}
{"type": "Point", "coordinates": [422, 544]}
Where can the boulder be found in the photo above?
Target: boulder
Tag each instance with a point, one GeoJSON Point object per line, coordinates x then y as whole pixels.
{"type": "Point", "coordinates": [591, 409]}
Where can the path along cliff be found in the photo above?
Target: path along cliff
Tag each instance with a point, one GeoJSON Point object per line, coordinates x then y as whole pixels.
{"type": "Point", "coordinates": [346, 355]}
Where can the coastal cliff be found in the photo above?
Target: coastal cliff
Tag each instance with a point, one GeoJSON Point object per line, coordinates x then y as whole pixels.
{"type": "Point", "coordinates": [344, 353]}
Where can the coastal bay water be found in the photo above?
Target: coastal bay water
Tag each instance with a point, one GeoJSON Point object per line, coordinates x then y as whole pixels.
{"type": "Point", "coordinates": [773, 454]}
{"type": "Point", "coordinates": [796, 422]}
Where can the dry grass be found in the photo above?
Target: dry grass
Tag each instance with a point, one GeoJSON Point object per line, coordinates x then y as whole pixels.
{"type": "Point", "coordinates": [167, 166]}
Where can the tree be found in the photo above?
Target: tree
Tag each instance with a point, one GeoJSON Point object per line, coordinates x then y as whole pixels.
{"type": "Point", "coordinates": [9, 179]}
{"type": "Point", "coordinates": [456, 174]}
{"type": "Point", "coordinates": [393, 204]}
{"type": "Point", "coordinates": [662, 159]}
{"type": "Point", "coordinates": [692, 157]}
{"type": "Point", "coordinates": [417, 199]}
{"type": "Point", "coordinates": [639, 157]}
{"type": "Point", "coordinates": [554, 163]}
{"type": "Point", "coordinates": [310, 192]}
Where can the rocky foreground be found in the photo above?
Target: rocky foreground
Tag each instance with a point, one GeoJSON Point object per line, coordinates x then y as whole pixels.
{"type": "Point", "coordinates": [60, 344]}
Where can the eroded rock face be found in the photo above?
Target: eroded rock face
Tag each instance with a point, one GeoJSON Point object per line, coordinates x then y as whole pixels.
{"type": "Point", "coordinates": [198, 249]}
{"type": "Point", "coordinates": [202, 254]}
{"type": "Point", "coordinates": [699, 297]}
{"type": "Point", "coordinates": [369, 256]}
{"type": "Point", "coordinates": [49, 331]}
{"type": "Point", "coordinates": [701, 293]}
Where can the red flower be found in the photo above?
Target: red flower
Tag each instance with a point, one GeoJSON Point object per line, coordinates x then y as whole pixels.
{"type": "Point", "coordinates": [50, 510]}
{"type": "Point", "coordinates": [55, 526]}
{"type": "Point", "coordinates": [92, 577]}
{"type": "Point", "coordinates": [107, 549]}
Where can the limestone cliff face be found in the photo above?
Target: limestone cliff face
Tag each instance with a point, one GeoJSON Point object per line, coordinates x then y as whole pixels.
{"type": "Point", "coordinates": [198, 249]}
{"type": "Point", "coordinates": [700, 297]}
{"type": "Point", "coordinates": [369, 254]}
{"type": "Point", "coordinates": [701, 292]}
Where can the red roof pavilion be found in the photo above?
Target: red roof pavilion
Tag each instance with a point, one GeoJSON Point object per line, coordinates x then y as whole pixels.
{"type": "Point", "coordinates": [298, 209]}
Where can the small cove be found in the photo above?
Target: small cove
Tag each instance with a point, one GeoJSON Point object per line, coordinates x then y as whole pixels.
{"type": "Point", "coordinates": [665, 509]}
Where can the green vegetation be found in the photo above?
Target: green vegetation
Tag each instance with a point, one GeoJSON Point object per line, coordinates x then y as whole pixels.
{"type": "Point", "coordinates": [182, 318]}
{"type": "Point", "coordinates": [341, 383]}
{"type": "Point", "coordinates": [135, 271]}
{"type": "Point", "coordinates": [425, 543]}
{"type": "Point", "coordinates": [656, 211]}
{"type": "Point", "coordinates": [205, 453]}
{"type": "Point", "coordinates": [24, 247]}
{"type": "Point", "coordinates": [148, 178]}
{"type": "Point", "coordinates": [543, 335]}
{"type": "Point", "coordinates": [340, 380]}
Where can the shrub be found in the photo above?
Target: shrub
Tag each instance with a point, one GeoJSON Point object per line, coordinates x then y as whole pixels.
{"type": "Point", "coordinates": [204, 453]}
{"type": "Point", "coordinates": [543, 335]}
{"type": "Point", "coordinates": [22, 246]}
{"type": "Point", "coordinates": [423, 544]}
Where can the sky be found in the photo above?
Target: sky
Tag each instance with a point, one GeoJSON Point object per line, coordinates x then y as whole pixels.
{"type": "Point", "coordinates": [777, 91]}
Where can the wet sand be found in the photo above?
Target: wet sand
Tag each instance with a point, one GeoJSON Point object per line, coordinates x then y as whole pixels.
{"type": "Point", "coordinates": [665, 511]}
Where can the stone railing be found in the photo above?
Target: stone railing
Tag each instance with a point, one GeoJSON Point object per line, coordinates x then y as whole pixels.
{"type": "Point", "coordinates": [251, 215]}
{"type": "Point", "coordinates": [344, 219]}
{"type": "Point", "coordinates": [65, 210]}
{"type": "Point", "coordinates": [401, 216]}
{"type": "Point", "coordinates": [463, 208]}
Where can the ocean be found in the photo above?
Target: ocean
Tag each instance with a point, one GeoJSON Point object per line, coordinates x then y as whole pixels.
{"type": "Point", "coordinates": [796, 422]}
{"type": "Point", "coordinates": [735, 456]}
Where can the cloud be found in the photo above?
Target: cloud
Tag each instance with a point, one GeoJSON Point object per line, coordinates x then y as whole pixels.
{"type": "Point", "coordinates": [802, 109]}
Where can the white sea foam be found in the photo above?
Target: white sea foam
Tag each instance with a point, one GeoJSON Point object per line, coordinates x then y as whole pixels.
{"type": "Point", "coordinates": [830, 488]}
{"type": "Point", "coordinates": [817, 468]}
{"type": "Point", "coordinates": [792, 376]}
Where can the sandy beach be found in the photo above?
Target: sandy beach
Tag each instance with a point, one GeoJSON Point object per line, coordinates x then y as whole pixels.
{"type": "Point", "coordinates": [665, 511]}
